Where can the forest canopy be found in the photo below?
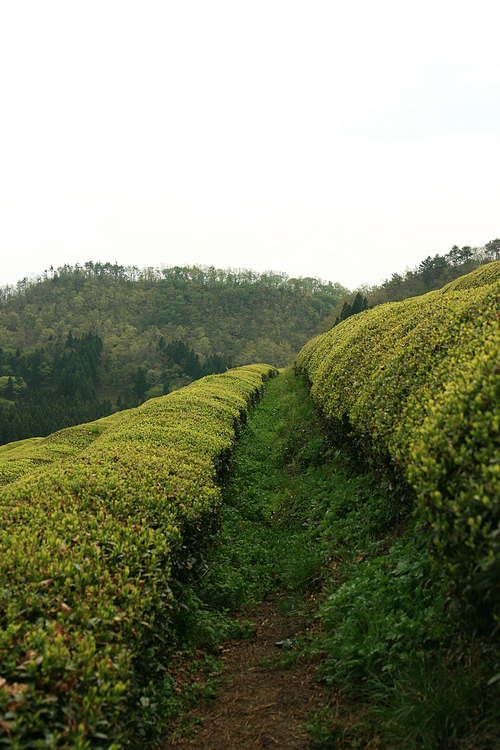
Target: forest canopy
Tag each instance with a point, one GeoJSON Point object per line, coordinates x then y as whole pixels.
{"type": "Point", "coordinates": [80, 341]}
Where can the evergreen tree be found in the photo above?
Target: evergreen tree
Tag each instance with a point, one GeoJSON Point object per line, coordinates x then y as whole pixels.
{"type": "Point", "coordinates": [140, 384]}
{"type": "Point", "coordinates": [9, 391]}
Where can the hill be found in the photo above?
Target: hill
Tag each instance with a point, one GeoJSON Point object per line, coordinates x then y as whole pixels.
{"type": "Point", "coordinates": [392, 544]}
{"type": "Point", "coordinates": [431, 274]}
{"type": "Point", "coordinates": [82, 341]}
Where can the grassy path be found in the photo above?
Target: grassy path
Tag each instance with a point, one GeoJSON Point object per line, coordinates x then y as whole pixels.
{"type": "Point", "coordinates": [270, 564]}
{"type": "Point", "coordinates": [313, 620]}
{"type": "Point", "coordinates": [259, 703]}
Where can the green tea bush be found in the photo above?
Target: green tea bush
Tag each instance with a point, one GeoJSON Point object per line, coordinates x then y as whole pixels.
{"type": "Point", "coordinates": [89, 540]}
{"type": "Point", "coordinates": [415, 387]}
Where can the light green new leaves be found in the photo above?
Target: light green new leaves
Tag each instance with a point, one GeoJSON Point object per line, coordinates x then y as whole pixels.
{"type": "Point", "coordinates": [89, 535]}
{"type": "Point", "coordinates": [417, 385]}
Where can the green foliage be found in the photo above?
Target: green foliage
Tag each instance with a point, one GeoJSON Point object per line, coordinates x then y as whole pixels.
{"type": "Point", "coordinates": [359, 304]}
{"type": "Point", "coordinates": [434, 273]}
{"type": "Point", "coordinates": [90, 544]}
{"type": "Point", "coordinates": [51, 389]}
{"type": "Point", "coordinates": [381, 616]}
{"type": "Point", "coordinates": [81, 341]}
{"type": "Point", "coordinates": [137, 334]}
{"type": "Point", "coordinates": [291, 510]}
{"type": "Point", "coordinates": [439, 700]}
{"type": "Point", "coordinates": [413, 387]}
{"type": "Point", "coordinates": [298, 519]}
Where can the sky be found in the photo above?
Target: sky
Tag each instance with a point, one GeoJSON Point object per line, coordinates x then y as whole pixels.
{"type": "Point", "coordinates": [339, 140]}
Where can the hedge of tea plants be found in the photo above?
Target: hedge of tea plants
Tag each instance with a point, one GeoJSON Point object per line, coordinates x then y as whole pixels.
{"type": "Point", "coordinates": [89, 536]}
{"type": "Point", "coordinates": [35, 454]}
{"type": "Point", "coordinates": [415, 387]}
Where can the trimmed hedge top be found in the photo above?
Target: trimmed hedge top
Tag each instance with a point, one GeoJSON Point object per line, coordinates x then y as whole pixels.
{"type": "Point", "coordinates": [417, 385]}
{"type": "Point", "coordinates": [88, 537]}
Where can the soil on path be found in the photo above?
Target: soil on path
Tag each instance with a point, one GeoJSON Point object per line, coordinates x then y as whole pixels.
{"type": "Point", "coordinates": [257, 705]}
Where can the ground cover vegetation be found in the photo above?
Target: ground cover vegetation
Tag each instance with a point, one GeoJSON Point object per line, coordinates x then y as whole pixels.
{"type": "Point", "coordinates": [387, 519]}
{"type": "Point", "coordinates": [97, 522]}
{"type": "Point", "coordinates": [317, 510]}
{"type": "Point", "coordinates": [295, 517]}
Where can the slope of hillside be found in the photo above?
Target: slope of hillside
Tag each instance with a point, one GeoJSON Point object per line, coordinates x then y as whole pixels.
{"type": "Point", "coordinates": [347, 630]}
{"type": "Point", "coordinates": [235, 314]}
{"type": "Point", "coordinates": [406, 666]}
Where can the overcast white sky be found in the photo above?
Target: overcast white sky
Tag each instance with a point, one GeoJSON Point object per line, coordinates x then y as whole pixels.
{"type": "Point", "coordinates": [345, 140]}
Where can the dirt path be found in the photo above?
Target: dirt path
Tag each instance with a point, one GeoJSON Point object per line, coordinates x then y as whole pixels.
{"type": "Point", "coordinates": [256, 706]}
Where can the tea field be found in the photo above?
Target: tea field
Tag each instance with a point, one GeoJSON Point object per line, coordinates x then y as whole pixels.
{"type": "Point", "coordinates": [362, 485]}
{"type": "Point", "coordinates": [96, 521]}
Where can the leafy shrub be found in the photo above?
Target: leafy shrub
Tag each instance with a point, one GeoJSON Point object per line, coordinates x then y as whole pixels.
{"type": "Point", "coordinates": [414, 387]}
{"type": "Point", "coordinates": [89, 543]}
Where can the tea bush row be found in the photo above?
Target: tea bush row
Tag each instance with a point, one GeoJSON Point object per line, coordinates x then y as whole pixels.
{"type": "Point", "coordinates": [88, 544]}
{"type": "Point", "coordinates": [415, 387]}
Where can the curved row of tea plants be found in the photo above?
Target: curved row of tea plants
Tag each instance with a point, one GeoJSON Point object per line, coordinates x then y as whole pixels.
{"type": "Point", "coordinates": [415, 386]}
{"type": "Point", "coordinates": [90, 534]}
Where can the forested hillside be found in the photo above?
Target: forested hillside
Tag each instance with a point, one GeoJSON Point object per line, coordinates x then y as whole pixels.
{"type": "Point", "coordinates": [82, 341]}
{"type": "Point", "coordinates": [431, 274]}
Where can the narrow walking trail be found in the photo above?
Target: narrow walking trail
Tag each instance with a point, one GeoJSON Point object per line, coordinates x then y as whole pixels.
{"type": "Point", "coordinates": [268, 573]}
{"type": "Point", "coordinates": [258, 705]}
